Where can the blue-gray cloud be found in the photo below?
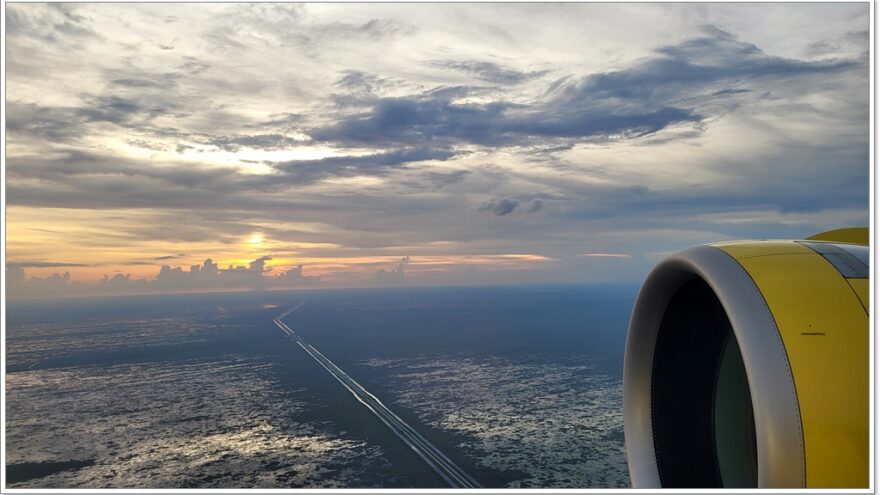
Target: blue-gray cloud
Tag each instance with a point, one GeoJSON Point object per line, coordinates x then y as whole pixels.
{"type": "Point", "coordinates": [676, 71]}
{"type": "Point", "coordinates": [500, 206]}
{"type": "Point", "coordinates": [489, 71]}
{"type": "Point", "coordinates": [670, 87]}
{"type": "Point", "coordinates": [306, 171]}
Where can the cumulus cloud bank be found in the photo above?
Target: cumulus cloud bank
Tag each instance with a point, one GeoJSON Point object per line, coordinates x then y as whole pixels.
{"type": "Point", "coordinates": [204, 277]}
{"type": "Point", "coordinates": [393, 276]}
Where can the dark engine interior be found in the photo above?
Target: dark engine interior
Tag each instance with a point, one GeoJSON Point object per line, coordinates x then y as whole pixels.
{"type": "Point", "coordinates": [701, 408]}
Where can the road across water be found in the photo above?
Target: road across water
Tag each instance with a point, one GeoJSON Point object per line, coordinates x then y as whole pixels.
{"type": "Point", "coordinates": [437, 460]}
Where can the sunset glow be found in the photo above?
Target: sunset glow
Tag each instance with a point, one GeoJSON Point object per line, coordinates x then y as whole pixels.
{"type": "Point", "coordinates": [378, 140]}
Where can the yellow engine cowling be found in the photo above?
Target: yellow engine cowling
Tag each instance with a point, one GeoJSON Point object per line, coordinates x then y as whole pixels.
{"type": "Point", "coordinates": [747, 365]}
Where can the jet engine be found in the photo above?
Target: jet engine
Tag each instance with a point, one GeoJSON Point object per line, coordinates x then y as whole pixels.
{"type": "Point", "coordinates": [747, 365]}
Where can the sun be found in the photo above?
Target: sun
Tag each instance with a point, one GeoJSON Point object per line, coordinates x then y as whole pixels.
{"type": "Point", "coordinates": [255, 239]}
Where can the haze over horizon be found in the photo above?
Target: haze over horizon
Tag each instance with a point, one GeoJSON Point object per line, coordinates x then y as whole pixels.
{"type": "Point", "coordinates": [154, 147]}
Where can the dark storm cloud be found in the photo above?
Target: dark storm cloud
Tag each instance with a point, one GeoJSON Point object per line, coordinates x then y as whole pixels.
{"type": "Point", "coordinates": [488, 71]}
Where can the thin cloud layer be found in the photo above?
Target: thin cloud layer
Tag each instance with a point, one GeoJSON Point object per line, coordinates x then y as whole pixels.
{"type": "Point", "coordinates": [348, 135]}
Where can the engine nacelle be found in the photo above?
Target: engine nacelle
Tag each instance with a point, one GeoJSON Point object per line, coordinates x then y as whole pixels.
{"type": "Point", "coordinates": [747, 365]}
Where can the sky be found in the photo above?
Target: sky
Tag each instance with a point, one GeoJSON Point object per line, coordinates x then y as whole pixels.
{"type": "Point", "coordinates": [154, 147]}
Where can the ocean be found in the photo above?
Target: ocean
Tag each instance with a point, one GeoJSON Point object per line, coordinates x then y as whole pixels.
{"type": "Point", "coordinates": [520, 386]}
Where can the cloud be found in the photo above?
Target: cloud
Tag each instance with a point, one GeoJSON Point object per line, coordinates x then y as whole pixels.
{"type": "Point", "coordinates": [198, 276]}
{"type": "Point", "coordinates": [675, 85]}
{"type": "Point", "coordinates": [432, 180]}
{"type": "Point", "coordinates": [501, 206]}
{"type": "Point", "coordinates": [205, 277]}
{"type": "Point", "coordinates": [249, 26]}
{"type": "Point", "coordinates": [17, 285]}
{"type": "Point", "coordinates": [79, 178]}
{"type": "Point", "coordinates": [209, 275]}
{"type": "Point", "coordinates": [14, 275]}
{"type": "Point", "coordinates": [193, 65]}
{"type": "Point", "coordinates": [371, 130]}
{"type": "Point", "coordinates": [58, 23]}
{"type": "Point", "coordinates": [306, 171]}
{"type": "Point", "coordinates": [284, 121]}
{"type": "Point", "coordinates": [437, 119]}
{"type": "Point", "coordinates": [606, 255]}
{"type": "Point", "coordinates": [293, 277]}
{"type": "Point", "coordinates": [132, 82]}
{"type": "Point", "coordinates": [117, 284]}
{"type": "Point", "coordinates": [72, 123]}
{"type": "Point", "coordinates": [489, 71]}
{"type": "Point", "coordinates": [169, 257]}
{"type": "Point", "coordinates": [360, 85]}
{"type": "Point", "coordinates": [255, 141]}
{"type": "Point", "coordinates": [697, 64]}
{"type": "Point", "coordinates": [49, 264]}
{"type": "Point", "coordinates": [31, 120]}
{"type": "Point", "coordinates": [416, 121]}
{"type": "Point", "coordinates": [536, 206]}
{"type": "Point", "coordinates": [393, 276]}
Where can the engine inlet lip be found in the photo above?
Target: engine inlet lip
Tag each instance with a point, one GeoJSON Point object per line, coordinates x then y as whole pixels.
{"type": "Point", "coordinates": [778, 430]}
